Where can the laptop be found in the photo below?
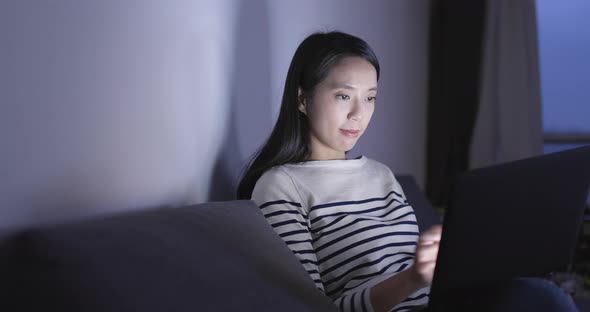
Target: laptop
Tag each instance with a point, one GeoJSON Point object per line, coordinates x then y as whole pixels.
{"type": "Point", "coordinates": [517, 219]}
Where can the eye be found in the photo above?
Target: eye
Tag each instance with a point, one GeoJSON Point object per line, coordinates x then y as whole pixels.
{"type": "Point", "coordinates": [342, 96]}
{"type": "Point", "coordinates": [372, 98]}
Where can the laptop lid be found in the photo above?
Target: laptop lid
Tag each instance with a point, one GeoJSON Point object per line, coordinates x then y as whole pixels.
{"type": "Point", "coordinates": [512, 220]}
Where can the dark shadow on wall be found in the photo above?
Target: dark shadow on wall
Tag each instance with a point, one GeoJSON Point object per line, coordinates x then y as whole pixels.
{"type": "Point", "coordinates": [249, 118]}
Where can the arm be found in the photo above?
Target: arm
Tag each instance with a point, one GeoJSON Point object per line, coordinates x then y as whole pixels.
{"type": "Point", "coordinates": [397, 288]}
{"type": "Point", "coordinates": [285, 211]}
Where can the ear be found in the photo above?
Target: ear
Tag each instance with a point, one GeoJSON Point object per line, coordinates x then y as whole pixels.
{"type": "Point", "coordinates": [302, 101]}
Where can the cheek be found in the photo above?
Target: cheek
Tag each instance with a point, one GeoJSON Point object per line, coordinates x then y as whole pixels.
{"type": "Point", "coordinates": [325, 115]}
{"type": "Point", "coordinates": [369, 113]}
{"type": "Point", "coordinates": [317, 121]}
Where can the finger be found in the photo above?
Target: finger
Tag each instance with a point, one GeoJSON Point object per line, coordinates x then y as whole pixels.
{"type": "Point", "coordinates": [427, 268]}
{"type": "Point", "coordinates": [427, 253]}
{"type": "Point", "coordinates": [435, 229]}
{"type": "Point", "coordinates": [424, 266]}
{"type": "Point", "coordinates": [426, 271]}
{"type": "Point", "coordinates": [430, 237]}
{"type": "Point", "coordinates": [427, 248]}
{"type": "Point", "coordinates": [423, 243]}
{"type": "Point", "coordinates": [427, 257]}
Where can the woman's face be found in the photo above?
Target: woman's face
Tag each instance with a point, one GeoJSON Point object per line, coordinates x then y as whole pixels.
{"type": "Point", "coordinates": [341, 107]}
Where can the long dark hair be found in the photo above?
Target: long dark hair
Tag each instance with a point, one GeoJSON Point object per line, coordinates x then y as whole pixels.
{"type": "Point", "coordinates": [289, 140]}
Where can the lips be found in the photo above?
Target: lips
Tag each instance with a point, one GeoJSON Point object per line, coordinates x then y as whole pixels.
{"type": "Point", "coordinates": [350, 132]}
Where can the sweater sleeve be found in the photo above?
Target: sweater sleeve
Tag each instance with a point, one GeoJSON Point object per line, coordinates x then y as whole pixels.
{"type": "Point", "coordinates": [358, 300]}
{"type": "Point", "coordinates": [279, 201]}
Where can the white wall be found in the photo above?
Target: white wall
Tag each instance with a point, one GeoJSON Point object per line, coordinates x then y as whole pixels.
{"type": "Point", "coordinates": [116, 105]}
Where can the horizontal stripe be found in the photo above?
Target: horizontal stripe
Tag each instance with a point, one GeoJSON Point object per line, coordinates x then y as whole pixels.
{"type": "Point", "coordinates": [417, 297]}
{"type": "Point", "coordinates": [278, 202]}
{"type": "Point", "coordinates": [396, 209]}
{"type": "Point", "coordinates": [366, 252]}
{"type": "Point", "coordinates": [384, 221]}
{"type": "Point", "coordinates": [303, 252]}
{"type": "Point", "coordinates": [348, 235]}
{"type": "Point", "coordinates": [364, 241]}
{"type": "Point", "coordinates": [408, 308]}
{"type": "Point", "coordinates": [366, 219]}
{"type": "Point", "coordinates": [293, 233]}
{"type": "Point", "coordinates": [369, 264]}
{"type": "Point", "coordinates": [306, 261]}
{"type": "Point", "coordinates": [359, 211]}
{"type": "Point", "coordinates": [401, 268]}
{"type": "Point", "coordinates": [310, 272]}
{"type": "Point", "coordinates": [329, 224]}
{"type": "Point", "coordinates": [353, 202]}
{"type": "Point", "coordinates": [280, 212]}
{"type": "Point", "coordinates": [360, 230]}
{"type": "Point", "coordinates": [366, 278]}
{"type": "Point", "coordinates": [315, 230]}
{"type": "Point", "coordinates": [291, 242]}
{"type": "Point", "coordinates": [278, 224]}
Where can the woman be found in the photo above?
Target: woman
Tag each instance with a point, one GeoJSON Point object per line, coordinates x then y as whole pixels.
{"type": "Point", "coordinates": [346, 220]}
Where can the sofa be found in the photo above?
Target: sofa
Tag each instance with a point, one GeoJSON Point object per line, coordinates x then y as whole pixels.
{"type": "Point", "coordinates": [216, 256]}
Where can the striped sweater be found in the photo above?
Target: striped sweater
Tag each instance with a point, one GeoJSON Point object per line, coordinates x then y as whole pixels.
{"type": "Point", "coordinates": [347, 221]}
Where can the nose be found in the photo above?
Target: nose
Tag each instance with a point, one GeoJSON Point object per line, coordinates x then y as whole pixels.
{"type": "Point", "coordinates": [356, 111]}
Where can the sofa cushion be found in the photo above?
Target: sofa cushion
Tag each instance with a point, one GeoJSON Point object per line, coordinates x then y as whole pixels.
{"type": "Point", "coordinates": [218, 256]}
{"type": "Point", "coordinates": [425, 214]}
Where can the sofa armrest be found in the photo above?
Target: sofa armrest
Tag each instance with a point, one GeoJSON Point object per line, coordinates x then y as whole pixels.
{"type": "Point", "coordinates": [220, 256]}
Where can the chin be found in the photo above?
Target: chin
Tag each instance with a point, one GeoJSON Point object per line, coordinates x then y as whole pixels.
{"type": "Point", "coordinates": [347, 148]}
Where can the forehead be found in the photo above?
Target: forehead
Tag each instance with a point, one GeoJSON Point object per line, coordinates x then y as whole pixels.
{"type": "Point", "coordinates": [353, 71]}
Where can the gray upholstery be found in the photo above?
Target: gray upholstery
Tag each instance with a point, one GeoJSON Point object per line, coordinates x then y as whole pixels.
{"type": "Point", "coordinates": [425, 214]}
{"type": "Point", "coordinates": [219, 256]}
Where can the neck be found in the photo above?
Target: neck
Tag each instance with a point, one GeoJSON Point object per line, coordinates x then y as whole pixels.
{"type": "Point", "coordinates": [338, 156]}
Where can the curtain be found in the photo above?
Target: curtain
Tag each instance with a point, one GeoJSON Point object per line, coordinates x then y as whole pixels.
{"type": "Point", "coordinates": [456, 32]}
{"type": "Point", "coordinates": [509, 123]}
{"type": "Point", "coordinates": [485, 105]}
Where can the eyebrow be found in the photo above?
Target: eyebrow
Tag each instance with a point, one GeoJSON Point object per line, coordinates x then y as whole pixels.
{"type": "Point", "coordinates": [349, 87]}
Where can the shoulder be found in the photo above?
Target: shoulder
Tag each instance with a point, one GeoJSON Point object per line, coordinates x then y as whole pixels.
{"type": "Point", "coordinates": [273, 176]}
{"type": "Point", "coordinates": [385, 176]}
{"type": "Point", "coordinates": [376, 167]}
{"type": "Point", "coordinates": [374, 163]}
{"type": "Point", "coordinates": [275, 184]}
{"type": "Point", "coordinates": [381, 173]}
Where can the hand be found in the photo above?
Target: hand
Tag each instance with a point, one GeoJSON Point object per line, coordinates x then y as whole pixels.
{"type": "Point", "coordinates": [426, 253]}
